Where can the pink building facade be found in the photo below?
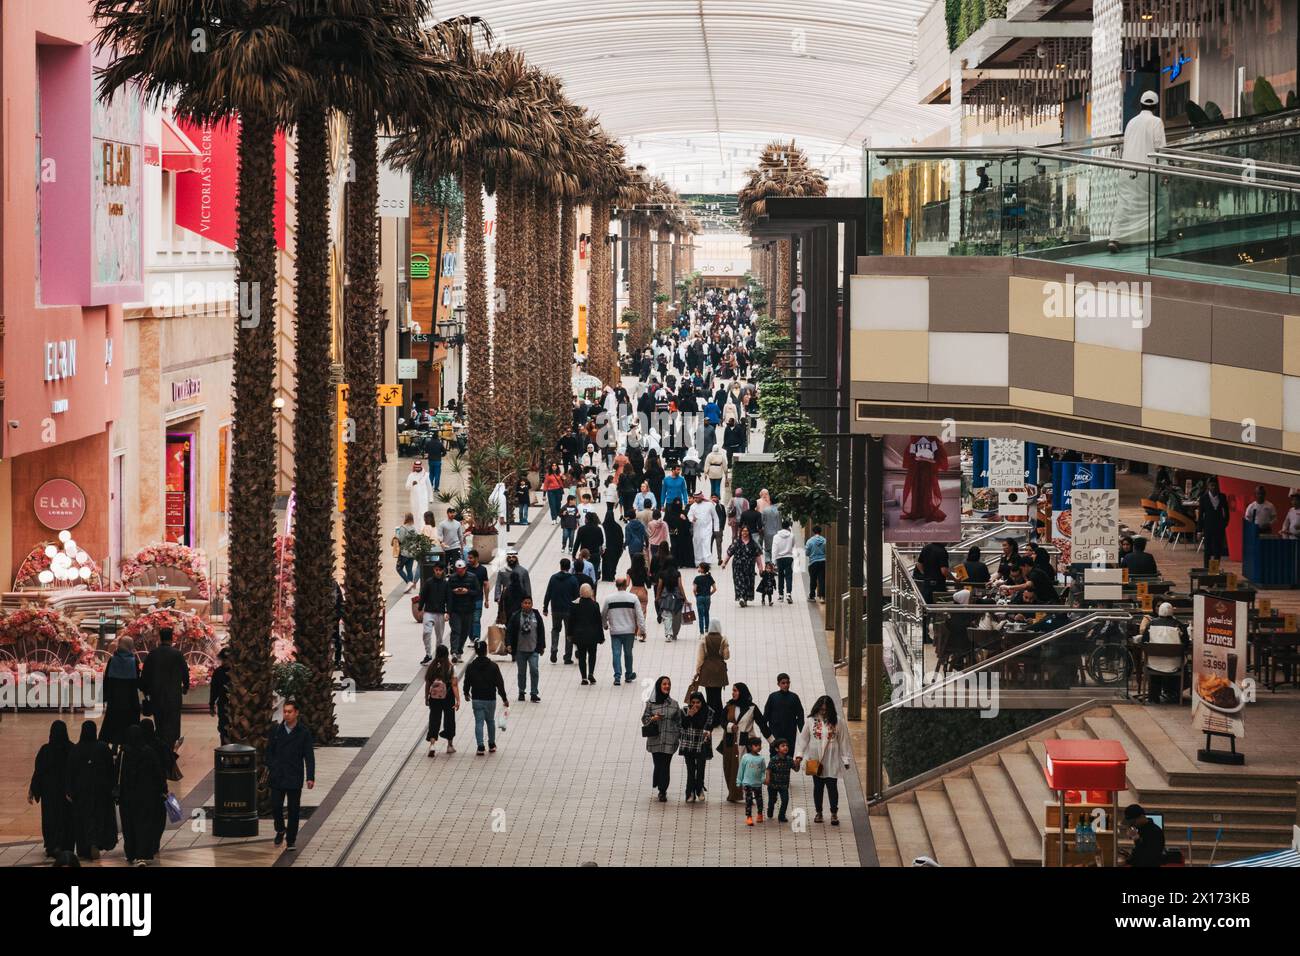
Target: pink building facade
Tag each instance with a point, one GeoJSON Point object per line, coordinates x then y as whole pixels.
{"type": "Point", "coordinates": [71, 228]}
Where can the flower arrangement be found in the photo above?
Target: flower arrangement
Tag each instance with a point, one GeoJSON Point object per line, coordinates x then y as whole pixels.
{"type": "Point", "coordinates": [34, 629]}
{"type": "Point", "coordinates": [191, 562]}
{"type": "Point", "coordinates": [42, 559]}
{"type": "Point", "coordinates": [189, 631]}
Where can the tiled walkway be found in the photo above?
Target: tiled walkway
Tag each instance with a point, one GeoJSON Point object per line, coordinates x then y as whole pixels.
{"type": "Point", "coordinates": [570, 783]}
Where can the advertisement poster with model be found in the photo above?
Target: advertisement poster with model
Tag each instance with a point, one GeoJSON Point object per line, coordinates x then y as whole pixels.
{"type": "Point", "coordinates": [922, 489]}
{"type": "Point", "coordinates": [1219, 690]}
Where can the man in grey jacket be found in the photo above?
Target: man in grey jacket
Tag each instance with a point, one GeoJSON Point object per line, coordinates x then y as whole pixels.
{"type": "Point", "coordinates": [622, 616]}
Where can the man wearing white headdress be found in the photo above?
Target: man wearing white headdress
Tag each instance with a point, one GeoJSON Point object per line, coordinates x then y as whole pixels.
{"type": "Point", "coordinates": [1144, 134]}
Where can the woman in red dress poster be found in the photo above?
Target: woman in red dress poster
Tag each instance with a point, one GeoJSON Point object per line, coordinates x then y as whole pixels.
{"type": "Point", "coordinates": [925, 459]}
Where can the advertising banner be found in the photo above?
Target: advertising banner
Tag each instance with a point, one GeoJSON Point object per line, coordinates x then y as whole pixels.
{"type": "Point", "coordinates": [1095, 526]}
{"type": "Point", "coordinates": [1006, 467]}
{"type": "Point", "coordinates": [1067, 477]}
{"type": "Point", "coordinates": [1218, 663]}
{"type": "Point", "coordinates": [206, 201]}
{"type": "Point", "coordinates": [922, 489]}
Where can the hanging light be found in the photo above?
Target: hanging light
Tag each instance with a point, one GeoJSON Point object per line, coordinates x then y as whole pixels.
{"type": "Point", "coordinates": [65, 535]}
{"type": "Point", "coordinates": [45, 577]}
{"type": "Point", "coordinates": [84, 574]}
{"type": "Point", "coordinates": [51, 551]}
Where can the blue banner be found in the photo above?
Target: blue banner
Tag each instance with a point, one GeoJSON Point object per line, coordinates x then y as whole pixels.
{"type": "Point", "coordinates": [980, 463]}
{"type": "Point", "coordinates": [1068, 475]}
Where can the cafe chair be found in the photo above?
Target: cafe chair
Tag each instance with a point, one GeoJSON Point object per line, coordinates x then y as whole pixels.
{"type": "Point", "coordinates": [1166, 652]}
{"type": "Point", "coordinates": [1178, 526]}
{"type": "Point", "coordinates": [1281, 652]}
{"type": "Point", "coordinates": [1153, 510]}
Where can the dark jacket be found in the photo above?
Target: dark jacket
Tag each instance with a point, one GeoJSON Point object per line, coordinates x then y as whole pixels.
{"type": "Point", "coordinates": [483, 681]}
{"type": "Point", "coordinates": [1139, 562]}
{"type": "Point", "coordinates": [434, 594]}
{"type": "Point", "coordinates": [784, 715]}
{"type": "Point", "coordinates": [286, 754]}
{"type": "Point", "coordinates": [585, 625]}
{"type": "Point", "coordinates": [591, 537]}
{"type": "Point", "coordinates": [512, 631]}
{"type": "Point", "coordinates": [561, 591]}
{"type": "Point", "coordinates": [1149, 847]}
{"type": "Point", "coordinates": [463, 603]}
{"type": "Point", "coordinates": [164, 679]}
{"type": "Point", "coordinates": [121, 699]}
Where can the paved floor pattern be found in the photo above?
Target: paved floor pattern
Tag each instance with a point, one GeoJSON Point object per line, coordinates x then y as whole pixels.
{"type": "Point", "coordinates": [570, 783]}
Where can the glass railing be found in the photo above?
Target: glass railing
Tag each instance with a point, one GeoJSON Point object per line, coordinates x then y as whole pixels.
{"type": "Point", "coordinates": [1085, 207]}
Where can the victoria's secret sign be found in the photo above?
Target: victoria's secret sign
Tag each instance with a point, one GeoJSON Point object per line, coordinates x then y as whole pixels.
{"type": "Point", "coordinates": [59, 504]}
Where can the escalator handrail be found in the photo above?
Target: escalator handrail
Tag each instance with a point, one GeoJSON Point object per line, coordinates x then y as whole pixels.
{"type": "Point", "coordinates": [999, 659]}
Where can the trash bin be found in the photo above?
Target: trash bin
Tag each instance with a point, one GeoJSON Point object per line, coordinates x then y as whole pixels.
{"type": "Point", "coordinates": [235, 791]}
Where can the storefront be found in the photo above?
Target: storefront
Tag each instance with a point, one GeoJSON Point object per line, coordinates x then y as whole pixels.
{"type": "Point", "coordinates": [174, 463]}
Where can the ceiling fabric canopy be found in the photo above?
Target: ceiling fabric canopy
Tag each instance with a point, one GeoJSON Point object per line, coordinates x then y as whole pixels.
{"type": "Point", "coordinates": [695, 87]}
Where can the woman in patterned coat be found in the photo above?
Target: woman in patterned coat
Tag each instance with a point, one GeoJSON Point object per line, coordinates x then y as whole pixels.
{"type": "Point", "coordinates": [745, 556]}
{"type": "Point", "coordinates": [665, 715]}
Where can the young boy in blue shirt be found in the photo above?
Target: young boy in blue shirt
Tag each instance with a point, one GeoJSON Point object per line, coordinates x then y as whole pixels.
{"type": "Point", "coordinates": [749, 776]}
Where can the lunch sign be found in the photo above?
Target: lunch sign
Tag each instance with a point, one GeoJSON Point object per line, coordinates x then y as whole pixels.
{"type": "Point", "coordinates": [1218, 666]}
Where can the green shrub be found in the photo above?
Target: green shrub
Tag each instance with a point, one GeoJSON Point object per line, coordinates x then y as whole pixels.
{"type": "Point", "coordinates": [916, 739]}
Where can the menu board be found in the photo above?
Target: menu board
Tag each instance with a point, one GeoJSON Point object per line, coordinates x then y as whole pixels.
{"type": "Point", "coordinates": [1218, 664]}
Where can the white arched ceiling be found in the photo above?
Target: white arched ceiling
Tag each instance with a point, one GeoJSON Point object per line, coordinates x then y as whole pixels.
{"type": "Point", "coordinates": [695, 87]}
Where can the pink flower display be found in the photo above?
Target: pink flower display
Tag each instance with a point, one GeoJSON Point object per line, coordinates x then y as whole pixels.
{"type": "Point", "coordinates": [28, 575]}
{"type": "Point", "coordinates": [191, 562]}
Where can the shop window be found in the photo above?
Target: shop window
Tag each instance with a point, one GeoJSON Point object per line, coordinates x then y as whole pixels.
{"type": "Point", "coordinates": [179, 504]}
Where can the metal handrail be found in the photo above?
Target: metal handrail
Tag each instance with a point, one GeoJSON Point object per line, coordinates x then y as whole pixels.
{"type": "Point", "coordinates": [1218, 159]}
{"type": "Point", "coordinates": [1017, 152]}
{"type": "Point", "coordinates": [1008, 654]}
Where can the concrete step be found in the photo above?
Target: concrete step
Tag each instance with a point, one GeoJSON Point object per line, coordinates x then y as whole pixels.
{"type": "Point", "coordinates": [943, 829]}
{"type": "Point", "coordinates": [982, 838]}
{"type": "Point", "coordinates": [1067, 733]}
{"type": "Point", "coordinates": [1142, 773]}
{"type": "Point", "coordinates": [1026, 773]}
{"type": "Point", "coordinates": [1278, 835]}
{"type": "Point", "coordinates": [1227, 814]}
{"type": "Point", "coordinates": [1214, 798]}
{"type": "Point", "coordinates": [910, 835]}
{"type": "Point", "coordinates": [1165, 755]}
{"type": "Point", "coordinates": [1020, 837]}
{"type": "Point", "coordinates": [883, 834]}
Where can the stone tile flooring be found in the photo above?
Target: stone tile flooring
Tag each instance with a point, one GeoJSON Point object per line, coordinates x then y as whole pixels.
{"type": "Point", "coordinates": [570, 783]}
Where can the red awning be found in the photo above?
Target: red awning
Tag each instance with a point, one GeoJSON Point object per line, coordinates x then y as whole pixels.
{"type": "Point", "coordinates": [179, 154]}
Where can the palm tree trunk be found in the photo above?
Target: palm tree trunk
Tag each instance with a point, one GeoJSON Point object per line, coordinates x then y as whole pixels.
{"type": "Point", "coordinates": [599, 332]}
{"type": "Point", "coordinates": [665, 270]}
{"type": "Point", "coordinates": [252, 498]}
{"type": "Point", "coordinates": [313, 437]}
{"type": "Point", "coordinates": [505, 383]}
{"type": "Point", "coordinates": [478, 384]}
{"type": "Point", "coordinates": [784, 283]}
{"type": "Point", "coordinates": [363, 616]}
{"type": "Point", "coordinates": [564, 307]}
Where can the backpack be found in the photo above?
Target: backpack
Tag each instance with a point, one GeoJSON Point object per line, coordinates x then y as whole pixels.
{"type": "Point", "coordinates": [437, 689]}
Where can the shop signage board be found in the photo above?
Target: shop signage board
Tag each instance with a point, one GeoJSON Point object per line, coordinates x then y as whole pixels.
{"type": "Point", "coordinates": [408, 368]}
{"type": "Point", "coordinates": [1218, 666]}
{"type": "Point", "coordinates": [1006, 463]}
{"type": "Point", "coordinates": [1095, 526]}
{"type": "Point", "coordinates": [207, 200]}
{"type": "Point", "coordinates": [394, 186]}
{"type": "Point", "coordinates": [60, 504]}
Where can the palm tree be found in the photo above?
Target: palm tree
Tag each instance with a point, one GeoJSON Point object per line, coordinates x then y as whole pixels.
{"type": "Point", "coordinates": [396, 58]}
{"type": "Point", "coordinates": [350, 51]}
{"type": "Point", "coordinates": [783, 170]}
{"type": "Point", "coordinates": [245, 67]}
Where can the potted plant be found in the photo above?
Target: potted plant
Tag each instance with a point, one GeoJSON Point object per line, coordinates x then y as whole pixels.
{"type": "Point", "coordinates": [476, 502]}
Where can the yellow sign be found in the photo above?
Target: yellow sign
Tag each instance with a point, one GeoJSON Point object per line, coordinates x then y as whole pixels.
{"type": "Point", "coordinates": [1142, 588]}
{"type": "Point", "coordinates": [1145, 600]}
{"type": "Point", "coordinates": [1265, 607]}
{"type": "Point", "coordinates": [1290, 622]}
{"type": "Point", "coordinates": [1232, 581]}
{"type": "Point", "coordinates": [1214, 566]}
{"type": "Point", "coordinates": [389, 396]}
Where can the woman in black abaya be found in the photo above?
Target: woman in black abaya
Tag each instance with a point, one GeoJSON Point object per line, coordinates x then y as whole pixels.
{"type": "Point", "coordinates": [90, 788]}
{"type": "Point", "coordinates": [613, 547]}
{"type": "Point", "coordinates": [143, 789]}
{"type": "Point", "coordinates": [49, 788]}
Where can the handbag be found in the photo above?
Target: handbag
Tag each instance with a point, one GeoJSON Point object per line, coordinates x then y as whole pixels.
{"type": "Point", "coordinates": [651, 729]}
{"type": "Point", "coordinates": [693, 687]}
{"type": "Point", "coordinates": [688, 614]}
{"type": "Point", "coordinates": [174, 814]}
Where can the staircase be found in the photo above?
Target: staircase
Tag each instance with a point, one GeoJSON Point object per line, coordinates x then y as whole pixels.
{"type": "Point", "coordinates": [990, 811]}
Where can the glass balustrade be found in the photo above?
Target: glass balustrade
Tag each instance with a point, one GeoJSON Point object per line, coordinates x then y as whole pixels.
{"type": "Point", "coordinates": [1205, 222]}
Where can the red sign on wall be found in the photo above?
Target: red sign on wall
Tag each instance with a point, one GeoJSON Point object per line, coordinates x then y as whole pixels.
{"type": "Point", "coordinates": [206, 200]}
{"type": "Point", "coordinates": [59, 504]}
